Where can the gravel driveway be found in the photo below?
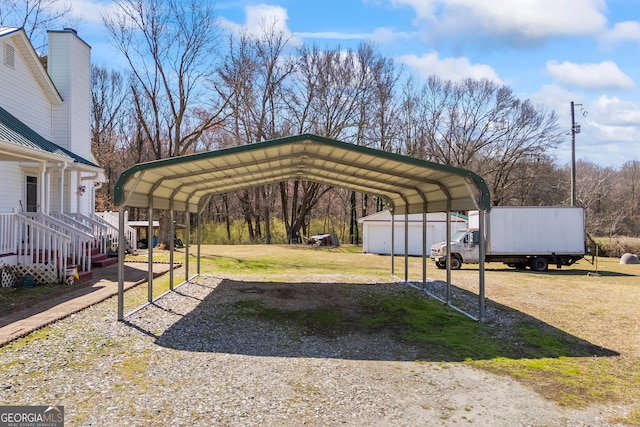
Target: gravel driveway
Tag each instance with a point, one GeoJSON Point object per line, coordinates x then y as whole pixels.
{"type": "Point", "coordinates": [196, 359]}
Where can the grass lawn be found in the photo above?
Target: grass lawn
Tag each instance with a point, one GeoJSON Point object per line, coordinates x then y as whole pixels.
{"type": "Point", "coordinates": [572, 335]}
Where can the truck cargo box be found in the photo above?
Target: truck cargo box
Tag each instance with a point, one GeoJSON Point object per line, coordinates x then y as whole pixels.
{"type": "Point", "coordinates": [533, 230]}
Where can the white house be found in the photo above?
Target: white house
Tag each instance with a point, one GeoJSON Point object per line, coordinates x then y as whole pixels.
{"type": "Point", "coordinates": [376, 231]}
{"type": "Point", "coordinates": [47, 190]}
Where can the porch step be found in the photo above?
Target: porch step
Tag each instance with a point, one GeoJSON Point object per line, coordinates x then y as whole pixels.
{"type": "Point", "coordinates": [102, 260]}
{"type": "Point", "coordinates": [85, 275]}
{"type": "Point", "coordinates": [82, 275]}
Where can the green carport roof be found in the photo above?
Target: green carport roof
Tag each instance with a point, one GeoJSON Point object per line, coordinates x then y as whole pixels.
{"type": "Point", "coordinates": [407, 183]}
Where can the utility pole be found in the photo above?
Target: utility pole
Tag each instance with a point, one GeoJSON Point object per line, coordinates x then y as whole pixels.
{"type": "Point", "coordinates": [574, 130]}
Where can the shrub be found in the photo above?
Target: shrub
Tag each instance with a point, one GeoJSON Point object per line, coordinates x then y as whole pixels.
{"type": "Point", "coordinates": [617, 246]}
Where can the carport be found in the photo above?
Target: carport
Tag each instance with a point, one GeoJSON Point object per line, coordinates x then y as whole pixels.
{"type": "Point", "coordinates": [408, 185]}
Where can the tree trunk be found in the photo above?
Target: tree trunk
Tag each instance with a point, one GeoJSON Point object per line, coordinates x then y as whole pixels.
{"type": "Point", "coordinates": [164, 229]}
{"type": "Point", "coordinates": [284, 202]}
{"type": "Point", "coordinates": [295, 227]}
{"type": "Point", "coordinates": [353, 227]}
{"type": "Point", "coordinates": [227, 219]}
{"type": "Point", "coordinates": [267, 216]}
{"type": "Point", "coordinates": [245, 200]}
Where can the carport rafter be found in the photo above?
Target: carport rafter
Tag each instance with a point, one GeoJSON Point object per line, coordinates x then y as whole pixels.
{"type": "Point", "coordinates": [380, 188]}
{"type": "Point", "coordinates": [278, 174]}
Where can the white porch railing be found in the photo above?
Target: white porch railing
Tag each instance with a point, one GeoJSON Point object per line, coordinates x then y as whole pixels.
{"type": "Point", "coordinates": [34, 242]}
{"type": "Point", "coordinates": [98, 229]}
{"type": "Point", "coordinates": [70, 220]}
{"type": "Point", "coordinates": [111, 220]}
{"type": "Point", "coordinates": [8, 235]}
{"type": "Point", "coordinates": [81, 241]}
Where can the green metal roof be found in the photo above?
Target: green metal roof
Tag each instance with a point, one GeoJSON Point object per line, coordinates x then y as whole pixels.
{"type": "Point", "coordinates": [16, 132]}
{"type": "Point", "coordinates": [409, 184]}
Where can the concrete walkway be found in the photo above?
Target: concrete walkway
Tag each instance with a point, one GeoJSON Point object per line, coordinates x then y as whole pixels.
{"type": "Point", "coordinates": [19, 323]}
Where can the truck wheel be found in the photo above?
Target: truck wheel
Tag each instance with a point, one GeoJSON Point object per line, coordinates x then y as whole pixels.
{"type": "Point", "coordinates": [456, 263]}
{"type": "Point", "coordinates": [539, 264]}
{"type": "Point", "coordinates": [441, 265]}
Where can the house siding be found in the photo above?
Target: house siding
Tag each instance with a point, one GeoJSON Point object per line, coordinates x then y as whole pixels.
{"type": "Point", "coordinates": [60, 114]}
{"type": "Point", "coordinates": [11, 187]}
{"type": "Point", "coordinates": [22, 96]}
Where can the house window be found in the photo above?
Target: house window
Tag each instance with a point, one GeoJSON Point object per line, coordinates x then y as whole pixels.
{"type": "Point", "coordinates": [32, 193]}
{"type": "Point", "coordinates": [9, 55]}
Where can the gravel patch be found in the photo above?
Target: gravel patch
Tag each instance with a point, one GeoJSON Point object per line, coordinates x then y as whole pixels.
{"type": "Point", "coordinates": [194, 359]}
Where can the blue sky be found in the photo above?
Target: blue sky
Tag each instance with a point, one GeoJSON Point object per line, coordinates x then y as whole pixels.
{"type": "Point", "coordinates": [550, 51]}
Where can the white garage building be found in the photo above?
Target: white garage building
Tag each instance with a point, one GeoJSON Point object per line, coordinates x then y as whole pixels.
{"type": "Point", "coordinates": [376, 231]}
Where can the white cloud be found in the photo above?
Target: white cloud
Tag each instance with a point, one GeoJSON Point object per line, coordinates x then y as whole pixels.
{"type": "Point", "coordinates": [449, 68]}
{"type": "Point", "coordinates": [603, 76]}
{"type": "Point", "coordinates": [334, 35]}
{"type": "Point", "coordinates": [90, 12]}
{"type": "Point", "coordinates": [627, 31]}
{"type": "Point", "coordinates": [387, 35]}
{"type": "Point", "coordinates": [614, 126]}
{"type": "Point", "coordinates": [380, 35]}
{"type": "Point", "coordinates": [610, 126]}
{"type": "Point", "coordinates": [262, 19]}
{"type": "Point", "coordinates": [425, 9]}
{"type": "Point", "coordinates": [522, 19]}
{"type": "Point", "coordinates": [616, 112]}
{"type": "Point", "coordinates": [263, 16]}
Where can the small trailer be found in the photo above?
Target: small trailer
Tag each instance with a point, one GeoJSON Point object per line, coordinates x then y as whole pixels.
{"type": "Point", "coordinates": [520, 237]}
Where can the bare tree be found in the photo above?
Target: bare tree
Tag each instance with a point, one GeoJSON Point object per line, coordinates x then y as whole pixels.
{"type": "Point", "coordinates": [628, 190]}
{"type": "Point", "coordinates": [252, 82]}
{"type": "Point", "coordinates": [327, 95]}
{"type": "Point", "coordinates": [594, 191]}
{"type": "Point", "coordinates": [171, 51]}
{"type": "Point", "coordinates": [108, 96]}
{"type": "Point", "coordinates": [477, 125]}
{"type": "Point", "coordinates": [378, 122]}
{"type": "Point", "coordinates": [537, 181]}
{"type": "Point", "coordinates": [35, 17]}
{"type": "Point", "coordinates": [377, 109]}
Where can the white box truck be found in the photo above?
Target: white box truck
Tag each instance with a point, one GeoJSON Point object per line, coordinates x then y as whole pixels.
{"type": "Point", "coordinates": [520, 237]}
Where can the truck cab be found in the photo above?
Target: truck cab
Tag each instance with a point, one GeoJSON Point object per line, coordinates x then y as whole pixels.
{"type": "Point", "coordinates": [464, 248]}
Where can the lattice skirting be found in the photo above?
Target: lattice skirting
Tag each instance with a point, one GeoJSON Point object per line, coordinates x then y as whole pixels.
{"type": "Point", "coordinates": [8, 276]}
{"type": "Point", "coordinates": [43, 274]}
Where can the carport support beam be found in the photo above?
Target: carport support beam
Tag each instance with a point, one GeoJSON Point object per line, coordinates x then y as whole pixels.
{"type": "Point", "coordinates": [150, 255]}
{"type": "Point", "coordinates": [187, 239]}
{"type": "Point", "coordinates": [424, 245]}
{"type": "Point", "coordinates": [198, 237]}
{"type": "Point", "coordinates": [121, 223]}
{"type": "Point", "coordinates": [172, 234]}
{"type": "Point", "coordinates": [393, 244]}
{"type": "Point", "coordinates": [448, 258]}
{"type": "Point", "coordinates": [482, 254]}
{"type": "Point", "coordinates": [406, 245]}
